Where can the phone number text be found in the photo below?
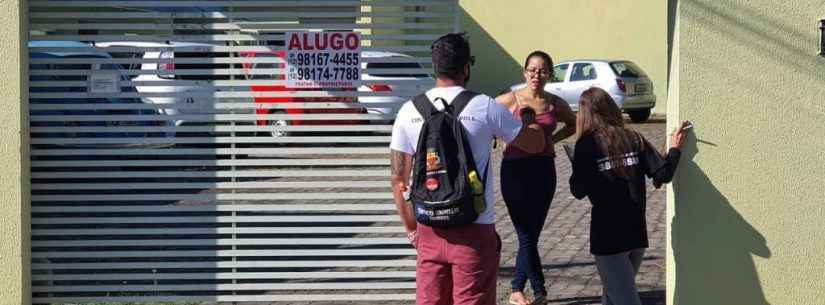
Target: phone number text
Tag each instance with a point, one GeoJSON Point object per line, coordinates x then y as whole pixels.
{"type": "Point", "coordinates": [324, 59]}
{"type": "Point", "coordinates": [325, 73]}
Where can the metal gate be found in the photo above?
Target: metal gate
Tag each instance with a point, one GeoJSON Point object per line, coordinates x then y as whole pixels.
{"type": "Point", "coordinates": [171, 164]}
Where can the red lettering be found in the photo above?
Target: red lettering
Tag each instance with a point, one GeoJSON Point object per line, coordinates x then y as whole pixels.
{"type": "Point", "coordinates": [324, 41]}
{"type": "Point", "coordinates": [294, 43]}
{"type": "Point", "coordinates": [307, 46]}
{"type": "Point", "coordinates": [321, 44]}
{"type": "Point", "coordinates": [336, 41]}
{"type": "Point", "coordinates": [352, 41]}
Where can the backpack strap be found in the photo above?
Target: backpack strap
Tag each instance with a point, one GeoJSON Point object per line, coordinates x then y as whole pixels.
{"type": "Point", "coordinates": [459, 103]}
{"type": "Point", "coordinates": [424, 106]}
{"type": "Point", "coordinates": [462, 100]}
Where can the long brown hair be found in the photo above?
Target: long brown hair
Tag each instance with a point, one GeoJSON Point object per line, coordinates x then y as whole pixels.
{"type": "Point", "coordinates": [600, 117]}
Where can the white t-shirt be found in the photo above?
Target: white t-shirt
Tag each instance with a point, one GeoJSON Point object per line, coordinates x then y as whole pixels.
{"type": "Point", "coordinates": [483, 118]}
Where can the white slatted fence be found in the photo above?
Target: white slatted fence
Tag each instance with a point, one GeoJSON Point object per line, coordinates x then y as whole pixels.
{"type": "Point", "coordinates": [192, 177]}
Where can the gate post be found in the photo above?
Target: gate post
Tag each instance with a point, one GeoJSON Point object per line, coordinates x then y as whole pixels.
{"type": "Point", "coordinates": [15, 275]}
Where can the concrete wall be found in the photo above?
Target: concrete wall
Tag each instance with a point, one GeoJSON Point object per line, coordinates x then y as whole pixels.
{"type": "Point", "coordinates": [502, 33]}
{"type": "Point", "coordinates": [747, 206]}
{"type": "Point", "coordinates": [14, 179]}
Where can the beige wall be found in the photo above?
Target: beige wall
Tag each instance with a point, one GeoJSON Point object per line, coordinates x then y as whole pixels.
{"type": "Point", "coordinates": [14, 201]}
{"type": "Point", "coordinates": [747, 220]}
{"type": "Point", "coordinates": [502, 33]}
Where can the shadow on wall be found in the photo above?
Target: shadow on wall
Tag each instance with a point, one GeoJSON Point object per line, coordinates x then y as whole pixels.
{"type": "Point", "coordinates": [494, 69]}
{"type": "Point", "coordinates": [712, 244]}
{"type": "Point", "coordinates": [714, 247]}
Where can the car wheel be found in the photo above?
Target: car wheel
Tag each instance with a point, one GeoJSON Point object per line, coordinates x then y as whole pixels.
{"type": "Point", "coordinates": [275, 124]}
{"type": "Point", "coordinates": [639, 116]}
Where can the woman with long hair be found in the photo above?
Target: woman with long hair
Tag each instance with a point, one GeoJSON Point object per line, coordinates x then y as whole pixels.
{"type": "Point", "coordinates": [528, 180]}
{"type": "Point", "coordinates": [609, 166]}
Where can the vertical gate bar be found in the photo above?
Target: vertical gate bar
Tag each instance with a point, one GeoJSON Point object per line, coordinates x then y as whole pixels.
{"type": "Point", "coordinates": [232, 135]}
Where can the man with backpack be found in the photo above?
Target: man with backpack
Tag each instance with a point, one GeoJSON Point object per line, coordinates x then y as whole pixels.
{"type": "Point", "coordinates": [441, 144]}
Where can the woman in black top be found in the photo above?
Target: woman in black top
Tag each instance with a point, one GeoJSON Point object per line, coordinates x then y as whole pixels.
{"type": "Point", "coordinates": [609, 166]}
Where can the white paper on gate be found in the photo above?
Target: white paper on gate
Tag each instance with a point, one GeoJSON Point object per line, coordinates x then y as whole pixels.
{"type": "Point", "coordinates": [323, 59]}
{"type": "Point", "coordinates": [103, 83]}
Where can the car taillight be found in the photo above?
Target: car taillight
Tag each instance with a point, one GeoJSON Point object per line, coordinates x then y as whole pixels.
{"type": "Point", "coordinates": [166, 66]}
{"type": "Point", "coordinates": [379, 88]}
{"type": "Point", "coordinates": [621, 84]}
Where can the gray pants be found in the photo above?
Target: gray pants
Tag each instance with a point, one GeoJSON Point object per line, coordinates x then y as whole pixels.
{"type": "Point", "coordinates": [618, 273]}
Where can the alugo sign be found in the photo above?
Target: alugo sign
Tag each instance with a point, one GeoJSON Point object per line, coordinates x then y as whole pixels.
{"type": "Point", "coordinates": [323, 59]}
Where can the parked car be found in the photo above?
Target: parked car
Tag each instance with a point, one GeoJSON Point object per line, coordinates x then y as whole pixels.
{"type": "Point", "coordinates": [626, 83]}
{"type": "Point", "coordinates": [279, 132]}
{"type": "Point", "coordinates": [197, 95]}
{"type": "Point", "coordinates": [49, 66]}
{"type": "Point", "coordinates": [412, 82]}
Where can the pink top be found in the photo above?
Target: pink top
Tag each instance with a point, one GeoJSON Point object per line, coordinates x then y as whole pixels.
{"type": "Point", "coordinates": [547, 121]}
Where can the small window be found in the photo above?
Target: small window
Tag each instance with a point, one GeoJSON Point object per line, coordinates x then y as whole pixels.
{"type": "Point", "coordinates": [583, 71]}
{"type": "Point", "coordinates": [559, 72]}
{"type": "Point", "coordinates": [627, 69]}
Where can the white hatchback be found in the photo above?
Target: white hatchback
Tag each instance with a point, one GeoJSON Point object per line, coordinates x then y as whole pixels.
{"type": "Point", "coordinates": [626, 83]}
{"type": "Point", "coordinates": [190, 91]}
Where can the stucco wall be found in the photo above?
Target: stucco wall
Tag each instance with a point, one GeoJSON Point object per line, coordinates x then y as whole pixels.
{"type": "Point", "coordinates": [747, 208]}
{"type": "Point", "coordinates": [14, 212]}
{"type": "Point", "coordinates": [502, 33]}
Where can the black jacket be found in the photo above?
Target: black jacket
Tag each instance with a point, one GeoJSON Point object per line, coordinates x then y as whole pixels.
{"type": "Point", "coordinates": [618, 217]}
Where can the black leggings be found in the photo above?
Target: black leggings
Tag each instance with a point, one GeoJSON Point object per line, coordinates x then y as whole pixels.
{"type": "Point", "coordinates": [528, 185]}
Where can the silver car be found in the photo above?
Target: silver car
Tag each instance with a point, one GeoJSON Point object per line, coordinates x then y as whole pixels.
{"type": "Point", "coordinates": [404, 82]}
{"type": "Point", "coordinates": [626, 83]}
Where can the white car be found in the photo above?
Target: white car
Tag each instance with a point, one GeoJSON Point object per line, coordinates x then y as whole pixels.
{"type": "Point", "coordinates": [626, 83]}
{"type": "Point", "coordinates": [403, 83]}
{"type": "Point", "coordinates": [195, 93]}
{"type": "Point", "coordinates": [201, 93]}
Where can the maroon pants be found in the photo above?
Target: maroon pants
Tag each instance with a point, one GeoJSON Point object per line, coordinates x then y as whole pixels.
{"type": "Point", "coordinates": [457, 265]}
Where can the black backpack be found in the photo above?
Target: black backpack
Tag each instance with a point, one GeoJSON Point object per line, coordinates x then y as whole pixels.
{"type": "Point", "coordinates": [446, 187]}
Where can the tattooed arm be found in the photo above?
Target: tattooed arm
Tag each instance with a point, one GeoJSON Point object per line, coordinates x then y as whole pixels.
{"type": "Point", "coordinates": [401, 167]}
